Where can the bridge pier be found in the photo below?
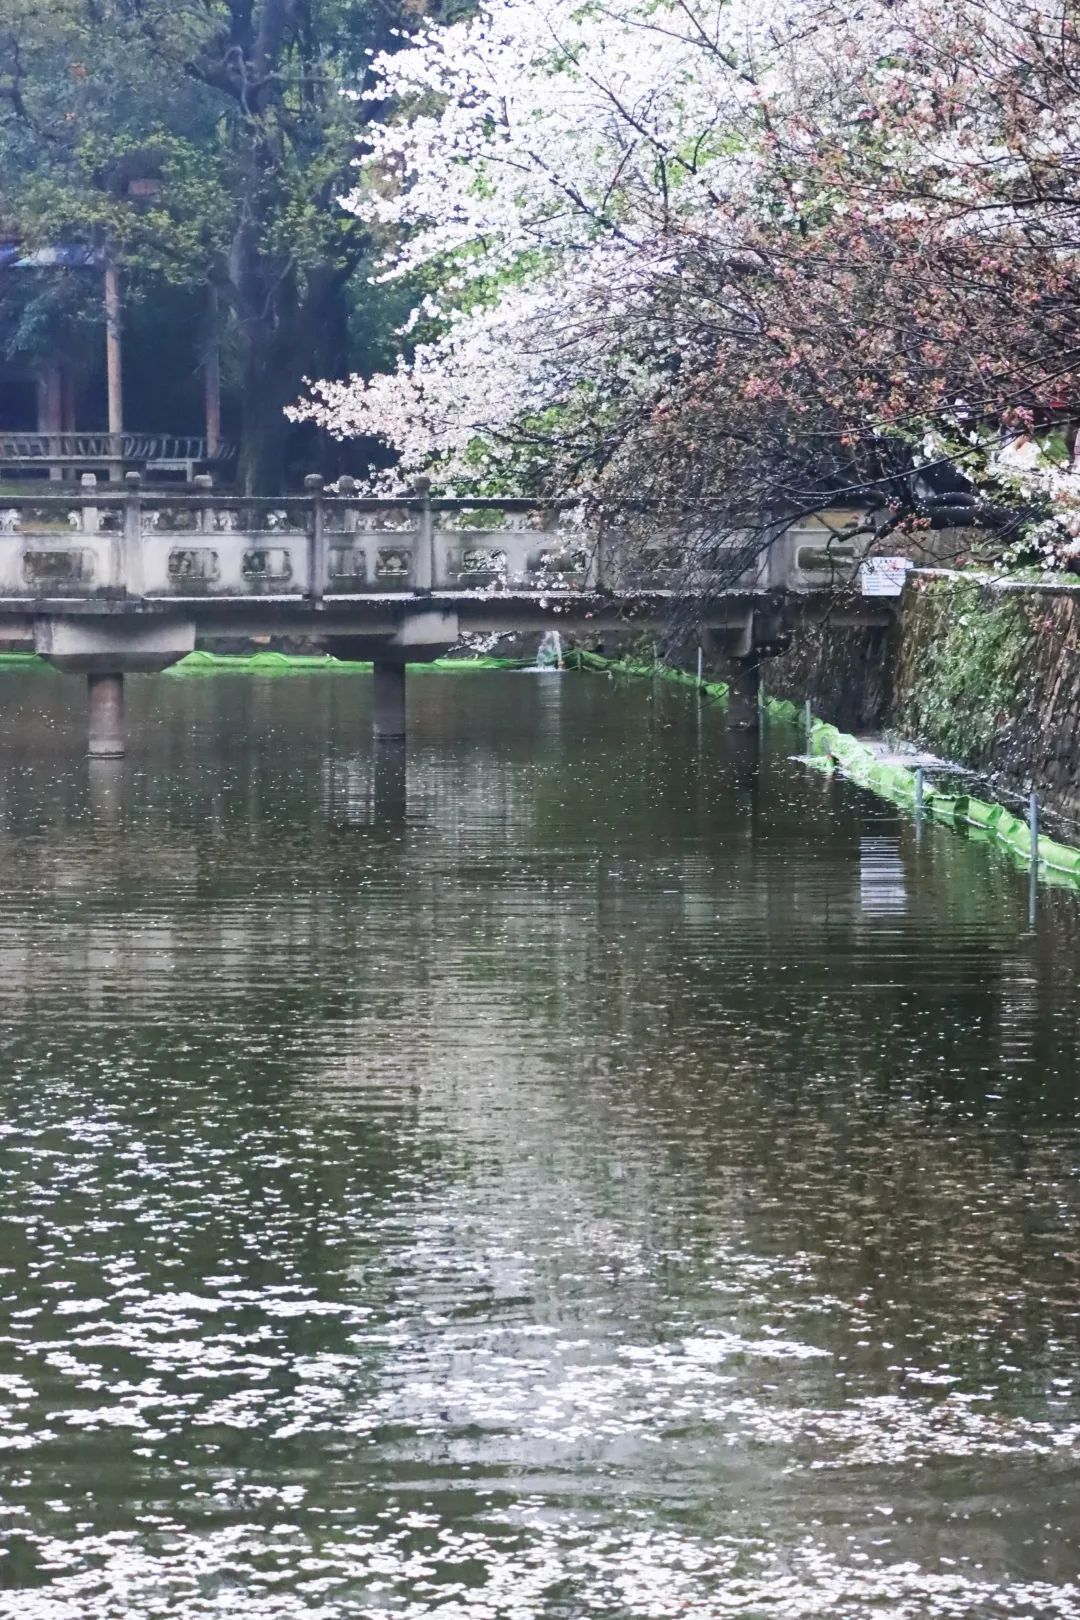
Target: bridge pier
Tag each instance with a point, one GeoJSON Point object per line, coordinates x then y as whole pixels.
{"type": "Point", "coordinates": [106, 713]}
{"type": "Point", "coordinates": [105, 648]}
{"type": "Point", "coordinates": [389, 701]}
{"type": "Point", "coordinates": [105, 778]}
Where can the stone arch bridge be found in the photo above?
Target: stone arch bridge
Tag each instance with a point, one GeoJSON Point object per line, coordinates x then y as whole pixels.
{"type": "Point", "coordinates": [110, 582]}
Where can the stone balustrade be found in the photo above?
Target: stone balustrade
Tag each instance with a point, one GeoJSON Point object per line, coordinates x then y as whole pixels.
{"type": "Point", "coordinates": [118, 581]}
{"type": "Point", "coordinates": [103, 542]}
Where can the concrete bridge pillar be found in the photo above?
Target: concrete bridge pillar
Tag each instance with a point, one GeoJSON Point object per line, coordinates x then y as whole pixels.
{"type": "Point", "coordinates": [105, 648]}
{"type": "Point", "coordinates": [389, 701]}
{"type": "Point", "coordinates": [105, 778]}
{"type": "Point", "coordinates": [106, 694]}
{"type": "Point", "coordinates": [421, 635]}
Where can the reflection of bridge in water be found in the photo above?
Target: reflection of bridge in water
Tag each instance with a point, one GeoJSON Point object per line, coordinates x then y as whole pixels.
{"type": "Point", "coordinates": [112, 582]}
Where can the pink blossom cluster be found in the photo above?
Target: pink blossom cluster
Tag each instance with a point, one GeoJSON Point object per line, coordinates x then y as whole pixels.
{"type": "Point", "coordinates": [746, 257]}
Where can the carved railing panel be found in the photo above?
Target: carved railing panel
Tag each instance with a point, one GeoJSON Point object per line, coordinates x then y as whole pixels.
{"type": "Point", "coordinates": [203, 544]}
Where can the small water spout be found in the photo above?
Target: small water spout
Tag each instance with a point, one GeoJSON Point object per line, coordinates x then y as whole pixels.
{"type": "Point", "coordinates": [549, 654]}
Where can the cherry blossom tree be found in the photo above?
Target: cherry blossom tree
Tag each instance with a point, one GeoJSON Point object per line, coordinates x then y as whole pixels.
{"type": "Point", "coordinates": [705, 256]}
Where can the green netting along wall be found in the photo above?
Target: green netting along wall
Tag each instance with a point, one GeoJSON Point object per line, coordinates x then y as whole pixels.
{"type": "Point", "coordinates": [16, 660]}
{"type": "Point", "coordinates": [275, 663]}
{"type": "Point", "coordinates": [831, 749]}
{"type": "Point", "coordinates": [577, 658]}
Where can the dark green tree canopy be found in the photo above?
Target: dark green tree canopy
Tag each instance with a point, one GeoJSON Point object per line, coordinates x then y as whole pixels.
{"type": "Point", "coordinates": [204, 142]}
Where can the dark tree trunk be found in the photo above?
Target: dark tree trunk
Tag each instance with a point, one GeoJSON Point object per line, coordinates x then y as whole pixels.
{"type": "Point", "coordinates": [306, 337]}
{"type": "Point", "coordinates": [264, 434]}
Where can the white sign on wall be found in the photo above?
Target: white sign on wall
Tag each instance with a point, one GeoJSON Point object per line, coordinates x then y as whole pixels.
{"type": "Point", "coordinates": [883, 576]}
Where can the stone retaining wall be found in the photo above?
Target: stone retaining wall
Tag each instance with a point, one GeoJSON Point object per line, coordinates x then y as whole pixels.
{"type": "Point", "coordinates": [982, 671]}
{"type": "Point", "coordinates": [844, 671]}
{"type": "Point", "coordinates": [988, 673]}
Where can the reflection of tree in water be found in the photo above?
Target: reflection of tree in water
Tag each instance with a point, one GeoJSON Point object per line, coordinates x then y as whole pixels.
{"type": "Point", "coordinates": [373, 1139]}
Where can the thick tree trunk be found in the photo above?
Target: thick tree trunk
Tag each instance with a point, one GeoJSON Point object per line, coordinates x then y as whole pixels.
{"type": "Point", "coordinates": [265, 302]}
{"type": "Point", "coordinates": [306, 337]}
{"type": "Point", "coordinates": [264, 436]}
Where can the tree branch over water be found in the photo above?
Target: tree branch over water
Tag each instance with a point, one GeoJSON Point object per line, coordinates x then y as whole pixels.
{"type": "Point", "coordinates": [709, 258]}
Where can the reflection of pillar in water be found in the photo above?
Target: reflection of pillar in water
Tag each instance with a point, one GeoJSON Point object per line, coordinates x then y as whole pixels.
{"type": "Point", "coordinates": [389, 782]}
{"type": "Point", "coordinates": [389, 701]}
{"type": "Point", "coordinates": [744, 760]}
{"type": "Point", "coordinates": [107, 790]}
{"type": "Point", "coordinates": [744, 692]}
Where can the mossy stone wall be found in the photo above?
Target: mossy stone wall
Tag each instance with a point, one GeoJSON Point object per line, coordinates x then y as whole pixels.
{"type": "Point", "coordinates": [986, 673]}
{"type": "Point", "coordinates": [989, 675]}
{"type": "Point", "coordinates": [983, 673]}
{"type": "Point", "coordinates": [842, 669]}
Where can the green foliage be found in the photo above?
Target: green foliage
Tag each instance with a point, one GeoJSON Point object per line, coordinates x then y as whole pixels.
{"type": "Point", "coordinates": [203, 143]}
{"type": "Point", "coordinates": [964, 664]}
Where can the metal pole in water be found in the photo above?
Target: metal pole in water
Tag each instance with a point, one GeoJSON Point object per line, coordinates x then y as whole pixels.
{"type": "Point", "coordinates": [1033, 828]}
{"type": "Point", "coordinates": [808, 725]}
{"type": "Point", "coordinates": [700, 666]}
{"type": "Point", "coordinates": [918, 790]}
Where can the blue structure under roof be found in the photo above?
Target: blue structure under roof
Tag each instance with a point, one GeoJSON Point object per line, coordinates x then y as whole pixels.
{"type": "Point", "coordinates": [68, 256]}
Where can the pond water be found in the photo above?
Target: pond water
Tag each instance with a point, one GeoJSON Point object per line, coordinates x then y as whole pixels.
{"type": "Point", "coordinates": [632, 1178]}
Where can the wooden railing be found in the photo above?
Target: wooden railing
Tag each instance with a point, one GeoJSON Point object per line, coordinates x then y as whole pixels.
{"type": "Point", "coordinates": [136, 451]}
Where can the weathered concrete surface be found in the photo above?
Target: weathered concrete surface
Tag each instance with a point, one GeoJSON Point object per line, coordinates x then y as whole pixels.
{"type": "Point", "coordinates": [106, 702]}
{"type": "Point", "coordinates": [110, 583]}
{"type": "Point", "coordinates": [113, 644]}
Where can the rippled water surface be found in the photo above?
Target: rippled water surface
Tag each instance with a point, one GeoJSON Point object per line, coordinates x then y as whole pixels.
{"type": "Point", "coordinates": [633, 1180]}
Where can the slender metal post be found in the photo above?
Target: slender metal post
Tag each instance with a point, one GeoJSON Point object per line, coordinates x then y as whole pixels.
{"type": "Point", "coordinates": [316, 540]}
{"type": "Point", "coordinates": [700, 667]}
{"type": "Point", "coordinates": [1033, 828]}
{"type": "Point", "coordinates": [919, 790]}
{"type": "Point", "coordinates": [808, 724]}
